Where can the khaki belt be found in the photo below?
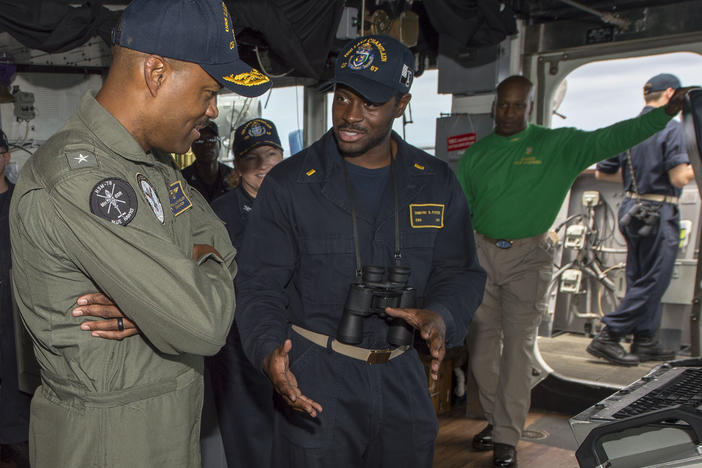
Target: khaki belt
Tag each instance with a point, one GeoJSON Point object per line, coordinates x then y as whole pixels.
{"type": "Point", "coordinates": [371, 356]}
{"type": "Point", "coordinates": [654, 197]}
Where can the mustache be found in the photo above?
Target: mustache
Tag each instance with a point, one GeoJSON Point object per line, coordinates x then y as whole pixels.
{"type": "Point", "coordinates": [352, 127]}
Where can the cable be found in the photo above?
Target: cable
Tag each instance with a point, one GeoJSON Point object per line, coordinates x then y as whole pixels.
{"type": "Point", "coordinates": [567, 220]}
{"type": "Point", "coordinates": [22, 148]}
{"type": "Point", "coordinates": [244, 110]}
{"type": "Point", "coordinates": [260, 65]}
{"type": "Point", "coordinates": [26, 133]}
{"type": "Point", "coordinates": [297, 107]}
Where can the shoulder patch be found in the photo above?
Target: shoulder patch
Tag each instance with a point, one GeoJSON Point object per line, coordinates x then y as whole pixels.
{"type": "Point", "coordinates": [115, 200]}
{"type": "Point", "coordinates": [179, 200]}
{"type": "Point", "coordinates": [81, 159]}
{"type": "Point", "coordinates": [151, 196]}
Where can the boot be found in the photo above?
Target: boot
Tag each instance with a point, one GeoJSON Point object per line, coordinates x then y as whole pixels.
{"type": "Point", "coordinates": [648, 348]}
{"type": "Point", "coordinates": [606, 346]}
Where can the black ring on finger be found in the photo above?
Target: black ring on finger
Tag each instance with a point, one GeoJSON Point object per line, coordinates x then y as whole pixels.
{"type": "Point", "coordinates": [120, 324]}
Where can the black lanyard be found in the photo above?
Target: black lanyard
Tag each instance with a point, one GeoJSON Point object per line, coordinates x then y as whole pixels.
{"type": "Point", "coordinates": [354, 222]}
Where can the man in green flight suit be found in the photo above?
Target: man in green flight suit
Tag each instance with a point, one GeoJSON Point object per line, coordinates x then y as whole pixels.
{"type": "Point", "coordinates": [93, 209]}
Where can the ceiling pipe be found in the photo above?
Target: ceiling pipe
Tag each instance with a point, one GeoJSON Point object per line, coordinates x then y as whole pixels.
{"type": "Point", "coordinates": [608, 18]}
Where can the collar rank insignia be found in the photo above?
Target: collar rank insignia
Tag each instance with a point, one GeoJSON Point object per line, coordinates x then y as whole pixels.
{"type": "Point", "coordinates": [115, 200]}
{"type": "Point", "coordinates": [179, 200]}
{"type": "Point", "coordinates": [151, 196]}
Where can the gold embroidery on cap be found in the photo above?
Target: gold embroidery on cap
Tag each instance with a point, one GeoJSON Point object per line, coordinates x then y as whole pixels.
{"type": "Point", "coordinates": [250, 78]}
{"type": "Point", "coordinates": [226, 17]}
{"type": "Point", "coordinates": [310, 172]}
{"type": "Point", "coordinates": [421, 168]}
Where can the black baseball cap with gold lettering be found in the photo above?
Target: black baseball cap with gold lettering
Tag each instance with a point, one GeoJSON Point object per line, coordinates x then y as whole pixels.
{"type": "Point", "coordinates": [376, 67]}
{"type": "Point", "coordinates": [255, 133]}
{"type": "Point", "coordinates": [198, 31]}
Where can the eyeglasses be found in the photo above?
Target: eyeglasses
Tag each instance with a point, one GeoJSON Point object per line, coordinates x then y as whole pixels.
{"type": "Point", "coordinates": [208, 141]}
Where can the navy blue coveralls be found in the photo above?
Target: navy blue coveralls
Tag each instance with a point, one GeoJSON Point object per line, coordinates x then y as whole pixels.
{"type": "Point", "coordinates": [14, 404]}
{"type": "Point", "coordinates": [650, 259]}
{"type": "Point", "coordinates": [295, 267]}
{"type": "Point", "coordinates": [244, 396]}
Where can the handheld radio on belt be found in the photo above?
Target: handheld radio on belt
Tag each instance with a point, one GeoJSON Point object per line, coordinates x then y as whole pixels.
{"type": "Point", "coordinates": [647, 213]}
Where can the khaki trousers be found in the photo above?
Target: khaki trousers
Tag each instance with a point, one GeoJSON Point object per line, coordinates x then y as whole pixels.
{"type": "Point", "coordinates": [503, 330]}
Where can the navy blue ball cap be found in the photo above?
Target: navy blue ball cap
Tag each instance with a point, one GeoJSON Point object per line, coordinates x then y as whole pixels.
{"type": "Point", "coordinates": [376, 67]}
{"type": "Point", "coordinates": [3, 141]}
{"type": "Point", "coordinates": [254, 133]}
{"type": "Point", "coordinates": [211, 125]}
{"type": "Point", "coordinates": [661, 82]}
{"type": "Point", "coordinates": [198, 31]}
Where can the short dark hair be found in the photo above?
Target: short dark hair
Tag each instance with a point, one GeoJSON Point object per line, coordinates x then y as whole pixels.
{"type": "Point", "coordinates": [652, 96]}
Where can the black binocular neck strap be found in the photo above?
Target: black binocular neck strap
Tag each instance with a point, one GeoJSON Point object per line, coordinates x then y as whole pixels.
{"type": "Point", "coordinates": [633, 176]}
{"type": "Point", "coordinates": [354, 221]}
{"type": "Point", "coordinates": [398, 254]}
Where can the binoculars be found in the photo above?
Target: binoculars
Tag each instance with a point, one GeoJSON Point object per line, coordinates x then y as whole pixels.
{"type": "Point", "coordinates": [370, 297]}
{"type": "Point", "coordinates": [649, 215]}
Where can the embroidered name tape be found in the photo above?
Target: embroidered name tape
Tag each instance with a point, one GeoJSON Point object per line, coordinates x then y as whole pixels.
{"type": "Point", "coordinates": [427, 215]}
{"type": "Point", "coordinates": [179, 200]}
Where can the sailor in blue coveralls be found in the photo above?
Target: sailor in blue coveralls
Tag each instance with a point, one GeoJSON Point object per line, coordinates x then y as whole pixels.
{"type": "Point", "coordinates": [359, 196]}
{"type": "Point", "coordinates": [661, 168]}
{"type": "Point", "coordinates": [14, 404]}
{"type": "Point", "coordinates": [244, 396]}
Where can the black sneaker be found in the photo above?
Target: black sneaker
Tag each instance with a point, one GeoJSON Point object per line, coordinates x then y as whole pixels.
{"type": "Point", "coordinates": [482, 441]}
{"type": "Point", "coordinates": [606, 346]}
{"type": "Point", "coordinates": [648, 348]}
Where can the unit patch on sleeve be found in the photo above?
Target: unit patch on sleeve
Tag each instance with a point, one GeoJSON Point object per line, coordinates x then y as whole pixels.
{"type": "Point", "coordinates": [114, 200]}
{"type": "Point", "coordinates": [179, 200]}
{"type": "Point", "coordinates": [151, 196]}
{"type": "Point", "coordinates": [427, 215]}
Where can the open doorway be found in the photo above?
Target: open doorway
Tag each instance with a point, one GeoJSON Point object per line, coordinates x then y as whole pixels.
{"type": "Point", "coordinates": [598, 94]}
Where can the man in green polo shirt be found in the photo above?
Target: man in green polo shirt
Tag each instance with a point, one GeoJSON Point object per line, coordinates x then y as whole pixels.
{"type": "Point", "coordinates": [515, 180]}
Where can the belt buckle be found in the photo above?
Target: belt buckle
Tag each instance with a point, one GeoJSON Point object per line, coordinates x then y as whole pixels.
{"type": "Point", "coordinates": [503, 244]}
{"type": "Point", "coordinates": [378, 356]}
